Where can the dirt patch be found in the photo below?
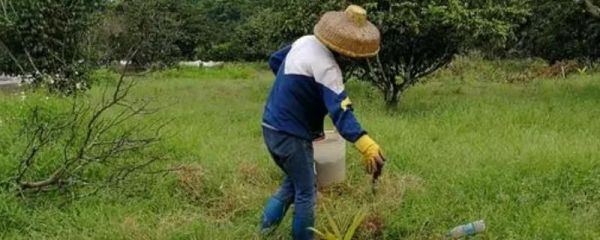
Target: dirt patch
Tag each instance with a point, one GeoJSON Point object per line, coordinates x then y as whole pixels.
{"type": "Point", "coordinates": [339, 189]}
{"type": "Point", "coordinates": [372, 227]}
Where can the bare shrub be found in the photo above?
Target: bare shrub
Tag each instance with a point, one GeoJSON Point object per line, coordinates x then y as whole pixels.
{"type": "Point", "coordinates": [90, 144]}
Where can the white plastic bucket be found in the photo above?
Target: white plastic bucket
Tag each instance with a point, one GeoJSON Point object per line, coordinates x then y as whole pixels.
{"type": "Point", "coordinates": [330, 159]}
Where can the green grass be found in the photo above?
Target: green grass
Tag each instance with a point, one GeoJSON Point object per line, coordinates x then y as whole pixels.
{"type": "Point", "coordinates": [462, 147]}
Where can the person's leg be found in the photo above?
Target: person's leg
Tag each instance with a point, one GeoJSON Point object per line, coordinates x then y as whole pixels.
{"type": "Point", "coordinates": [278, 205]}
{"type": "Point", "coordinates": [295, 156]}
{"type": "Point", "coordinates": [300, 168]}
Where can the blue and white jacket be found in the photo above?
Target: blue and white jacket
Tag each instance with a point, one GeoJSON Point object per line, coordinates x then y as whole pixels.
{"type": "Point", "coordinates": [308, 86]}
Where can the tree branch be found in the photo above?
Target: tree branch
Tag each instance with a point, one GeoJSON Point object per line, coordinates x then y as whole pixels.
{"type": "Point", "coordinates": [87, 137]}
{"type": "Point", "coordinates": [592, 8]}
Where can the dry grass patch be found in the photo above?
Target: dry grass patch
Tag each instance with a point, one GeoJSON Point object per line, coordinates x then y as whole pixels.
{"type": "Point", "coordinates": [345, 200]}
{"type": "Point", "coordinates": [190, 180]}
{"type": "Point", "coordinates": [252, 174]}
{"type": "Point", "coordinates": [130, 227]}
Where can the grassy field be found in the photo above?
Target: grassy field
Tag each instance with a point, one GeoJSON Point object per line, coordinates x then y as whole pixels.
{"type": "Point", "coordinates": [465, 145]}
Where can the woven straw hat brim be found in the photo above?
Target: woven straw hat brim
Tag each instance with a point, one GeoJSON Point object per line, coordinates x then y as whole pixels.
{"type": "Point", "coordinates": [342, 34]}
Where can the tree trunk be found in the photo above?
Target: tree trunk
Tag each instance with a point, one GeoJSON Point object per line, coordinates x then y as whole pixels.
{"type": "Point", "coordinates": [392, 95]}
{"type": "Point", "coordinates": [393, 92]}
{"type": "Point", "coordinates": [592, 8]}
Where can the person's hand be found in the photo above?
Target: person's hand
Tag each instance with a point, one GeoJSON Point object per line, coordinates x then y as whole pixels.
{"type": "Point", "coordinates": [372, 155]}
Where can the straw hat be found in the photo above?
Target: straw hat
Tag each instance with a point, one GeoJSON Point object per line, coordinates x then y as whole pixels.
{"type": "Point", "coordinates": [349, 33]}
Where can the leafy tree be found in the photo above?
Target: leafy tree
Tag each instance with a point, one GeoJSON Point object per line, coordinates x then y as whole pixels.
{"type": "Point", "coordinates": [419, 37]}
{"type": "Point", "coordinates": [221, 28]}
{"type": "Point", "coordinates": [153, 26]}
{"type": "Point", "coordinates": [171, 30]}
{"type": "Point", "coordinates": [559, 30]}
{"type": "Point", "coordinates": [193, 29]}
{"type": "Point", "coordinates": [278, 23]}
{"type": "Point", "coordinates": [46, 40]}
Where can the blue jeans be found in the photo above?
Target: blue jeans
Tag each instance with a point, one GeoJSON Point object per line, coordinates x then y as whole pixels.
{"type": "Point", "coordinates": [295, 157]}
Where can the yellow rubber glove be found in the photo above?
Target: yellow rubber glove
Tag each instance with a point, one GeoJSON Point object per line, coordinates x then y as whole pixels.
{"type": "Point", "coordinates": [372, 155]}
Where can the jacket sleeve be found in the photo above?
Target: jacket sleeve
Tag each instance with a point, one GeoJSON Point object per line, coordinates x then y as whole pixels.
{"type": "Point", "coordinates": [337, 102]}
{"type": "Point", "coordinates": [277, 58]}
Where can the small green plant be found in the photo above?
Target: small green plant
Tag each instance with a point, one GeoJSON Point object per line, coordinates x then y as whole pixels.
{"type": "Point", "coordinates": [340, 230]}
{"type": "Point", "coordinates": [582, 70]}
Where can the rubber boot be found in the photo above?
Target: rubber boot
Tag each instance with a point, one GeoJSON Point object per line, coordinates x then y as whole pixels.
{"type": "Point", "coordinates": [273, 214]}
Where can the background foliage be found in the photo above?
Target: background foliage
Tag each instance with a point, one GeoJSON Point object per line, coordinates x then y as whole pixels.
{"type": "Point", "coordinates": [486, 138]}
{"type": "Point", "coordinates": [68, 37]}
{"type": "Point", "coordinates": [560, 30]}
{"type": "Point", "coordinates": [47, 41]}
